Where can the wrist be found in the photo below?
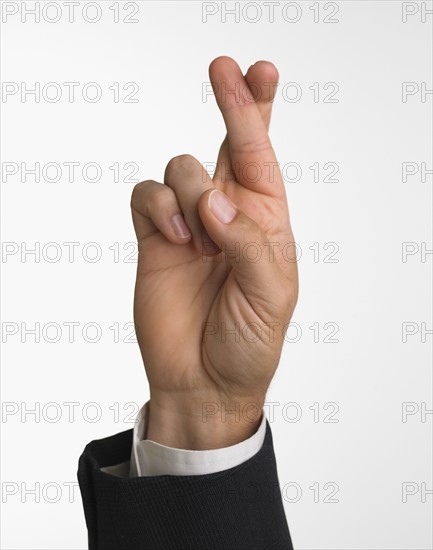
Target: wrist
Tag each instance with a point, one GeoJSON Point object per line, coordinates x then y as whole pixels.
{"type": "Point", "coordinates": [205, 422]}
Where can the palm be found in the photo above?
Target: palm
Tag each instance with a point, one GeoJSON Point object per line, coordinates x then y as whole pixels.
{"type": "Point", "coordinates": [185, 301]}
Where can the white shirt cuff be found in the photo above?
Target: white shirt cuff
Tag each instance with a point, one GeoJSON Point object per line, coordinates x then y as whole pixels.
{"type": "Point", "coordinates": [149, 458]}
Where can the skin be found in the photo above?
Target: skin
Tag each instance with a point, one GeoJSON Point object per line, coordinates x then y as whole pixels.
{"type": "Point", "coordinates": [193, 289]}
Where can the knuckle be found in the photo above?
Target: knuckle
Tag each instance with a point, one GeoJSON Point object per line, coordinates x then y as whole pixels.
{"type": "Point", "coordinates": [160, 198]}
{"type": "Point", "coordinates": [150, 196]}
{"type": "Point", "coordinates": [252, 146]}
{"type": "Point", "coordinates": [137, 191]}
{"type": "Point", "coordinates": [180, 163]}
{"type": "Point", "coordinates": [252, 232]}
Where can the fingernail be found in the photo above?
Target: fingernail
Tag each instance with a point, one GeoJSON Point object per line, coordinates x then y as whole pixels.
{"type": "Point", "coordinates": [221, 206]}
{"type": "Point", "coordinates": [179, 226]}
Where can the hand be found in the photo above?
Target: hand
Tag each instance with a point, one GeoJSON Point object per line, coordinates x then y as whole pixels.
{"type": "Point", "coordinates": [217, 276]}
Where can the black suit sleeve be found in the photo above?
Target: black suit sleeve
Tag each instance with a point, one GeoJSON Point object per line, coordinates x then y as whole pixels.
{"type": "Point", "coordinates": [236, 509]}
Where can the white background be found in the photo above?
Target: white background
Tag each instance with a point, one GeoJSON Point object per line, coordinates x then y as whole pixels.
{"type": "Point", "coordinates": [372, 373]}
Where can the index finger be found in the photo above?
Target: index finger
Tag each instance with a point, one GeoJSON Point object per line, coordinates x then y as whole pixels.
{"type": "Point", "coordinates": [253, 158]}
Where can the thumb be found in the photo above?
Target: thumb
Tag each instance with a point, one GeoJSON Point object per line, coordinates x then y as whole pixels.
{"type": "Point", "coordinates": [246, 248]}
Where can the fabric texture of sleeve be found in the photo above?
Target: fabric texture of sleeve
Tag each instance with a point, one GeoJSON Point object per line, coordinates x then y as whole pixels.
{"type": "Point", "coordinates": [236, 509]}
